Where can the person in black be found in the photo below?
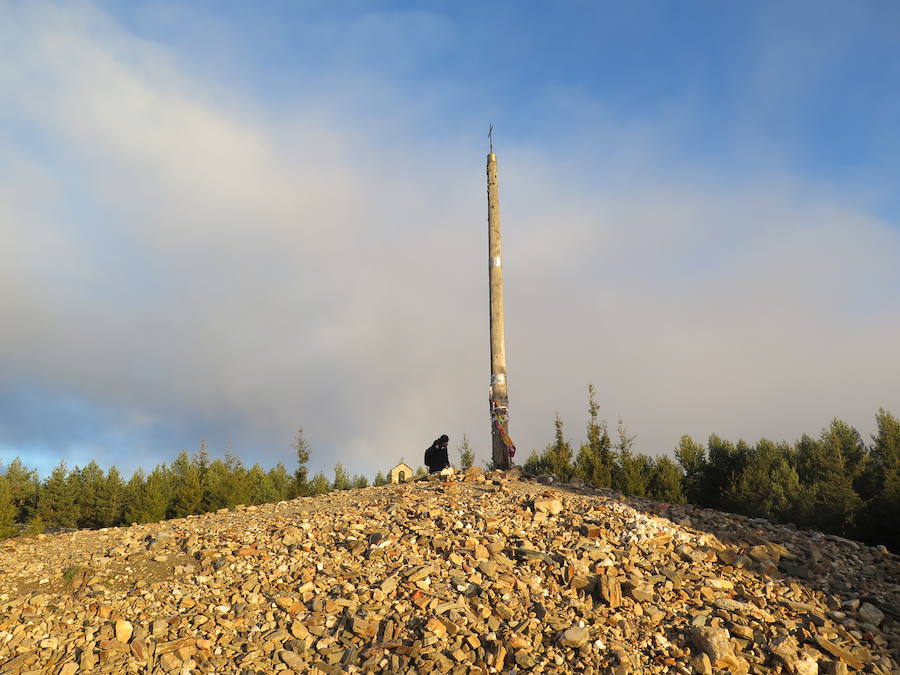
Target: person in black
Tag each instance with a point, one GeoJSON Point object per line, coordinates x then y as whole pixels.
{"type": "Point", "coordinates": [436, 456]}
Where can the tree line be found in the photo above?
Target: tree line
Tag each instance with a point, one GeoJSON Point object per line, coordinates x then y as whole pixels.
{"type": "Point", "coordinates": [88, 497]}
{"type": "Point", "coordinates": [834, 482]}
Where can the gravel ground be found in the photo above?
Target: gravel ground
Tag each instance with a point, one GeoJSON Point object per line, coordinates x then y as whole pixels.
{"type": "Point", "coordinates": [493, 573]}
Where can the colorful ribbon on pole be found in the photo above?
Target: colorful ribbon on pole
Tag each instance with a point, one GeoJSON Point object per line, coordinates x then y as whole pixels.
{"type": "Point", "coordinates": [500, 418]}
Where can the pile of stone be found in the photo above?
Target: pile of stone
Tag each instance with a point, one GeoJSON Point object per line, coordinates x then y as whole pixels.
{"type": "Point", "coordinates": [489, 574]}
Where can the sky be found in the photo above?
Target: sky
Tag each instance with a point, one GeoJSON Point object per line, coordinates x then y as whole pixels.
{"type": "Point", "coordinates": [225, 221]}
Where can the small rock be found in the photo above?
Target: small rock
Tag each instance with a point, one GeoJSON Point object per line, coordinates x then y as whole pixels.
{"type": "Point", "coordinates": [700, 663]}
{"type": "Point", "coordinates": [88, 658]}
{"type": "Point", "coordinates": [575, 636]}
{"type": "Point", "coordinates": [124, 631]}
{"type": "Point", "coordinates": [610, 591]}
{"type": "Point", "coordinates": [715, 642]}
{"type": "Point", "coordinates": [741, 631]}
{"type": "Point", "coordinates": [518, 642]}
{"type": "Point", "coordinates": [805, 665]}
{"type": "Point", "coordinates": [436, 626]}
{"type": "Point", "coordinates": [640, 593]}
{"type": "Point", "coordinates": [488, 568]}
{"type": "Point", "coordinates": [292, 660]}
{"type": "Point", "coordinates": [291, 535]}
{"type": "Point", "coordinates": [169, 662]}
{"type": "Point", "coordinates": [299, 630]}
{"type": "Point", "coordinates": [138, 649]}
{"type": "Point", "coordinates": [870, 614]}
{"type": "Point", "coordinates": [836, 650]}
{"type": "Point", "coordinates": [548, 505]}
{"type": "Point", "coordinates": [654, 613]}
{"type": "Point", "coordinates": [361, 627]}
{"type": "Point", "coordinates": [524, 659]}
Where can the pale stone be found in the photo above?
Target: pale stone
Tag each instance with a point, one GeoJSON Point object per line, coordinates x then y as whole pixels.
{"type": "Point", "coordinates": [292, 660]}
{"type": "Point", "coordinates": [545, 505]}
{"type": "Point", "coordinates": [575, 636]}
{"type": "Point", "coordinates": [870, 614]}
{"type": "Point", "coordinates": [701, 665]}
{"type": "Point", "coordinates": [124, 630]}
{"type": "Point", "coordinates": [715, 642]}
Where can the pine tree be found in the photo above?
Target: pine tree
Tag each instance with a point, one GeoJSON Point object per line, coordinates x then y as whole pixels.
{"type": "Point", "coordinates": [56, 502]}
{"type": "Point", "coordinates": [360, 481]}
{"type": "Point", "coordinates": [319, 485]}
{"type": "Point", "coordinates": [636, 473]}
{"type": "Point", "coordinates": [301, 474]}
{"type": "Point", "coordinates": [466, 454]}
{"type": "Point", "coordinates": [380, 479]}
{"type": "Point", "coordinates": [81, 494]}
{"type": "Point", "coordinates": [7, 510]}
{"type": "Point", "coordinates": [740, 457]}
{"type": "Point", "coordinates": [88, 494]}
{"type": "Point", "coordinates": [215, 487]}
{"type": "Point", "coordinates": [282, 482]}
{"type": "Point", "coordinates": [886, 447]}
{"type": "Point", "coordinates": [260, 489]}
{"type": "Point", "coordinates": [111, 499]}
{"type": "Point", "coordinates": [722, 465]}
{"type": "Point", "coordinates": [767, 485]}
{"type": "Point", "coordinates": [226, 484]}
{"type": "Point", "coordinates": [884, 506]}
{"type": "Point", "coordinates": [202, 465]}
{"type": "Point", "coordinates": [187, 488]}
{"type": "Point", "coordinates": [630, 474]}
{"type": "Point", "coordinates": [558, 455]}
{"type": "Point", "coordinates": [23, 485]}
{"type": "Point", "coordinates": [828, 467]}
{"type": "Point", "coordinates": [594, 461]}
{"type": "Point", "coordinates": [134, 490]}
{"type": "Point", "coordinates": [535, 464]}
{"type": "Point", "coordinates": [341, 478]}
{"type": "Point", "coordinates": [665, 481]}
{"type": "Point", "coordinates": [149, 497]}
{"type": "Point", "coordinates": [838, 451]}
{"type": "Point", "coordinates": [34, 526]}
{"type": "Point", "coordinates": [692, 458]}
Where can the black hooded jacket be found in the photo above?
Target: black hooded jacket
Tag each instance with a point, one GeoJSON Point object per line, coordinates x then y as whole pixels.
{"type": "Point", "coordinates": [436, 455]}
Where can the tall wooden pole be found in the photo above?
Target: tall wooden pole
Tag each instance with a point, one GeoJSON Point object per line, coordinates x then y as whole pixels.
{"type": "Point", "coordinates": [499, 394]}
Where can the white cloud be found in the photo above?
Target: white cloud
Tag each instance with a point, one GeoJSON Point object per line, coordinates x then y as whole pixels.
{"type": "Point", "coordinates": [192, 265]}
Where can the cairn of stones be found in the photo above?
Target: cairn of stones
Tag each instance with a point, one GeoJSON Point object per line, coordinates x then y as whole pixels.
{"type": "Point", "coordinates": [493, 573]}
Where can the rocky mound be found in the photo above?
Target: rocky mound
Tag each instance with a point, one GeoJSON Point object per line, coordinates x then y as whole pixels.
{"type": "Point", "coordinates": [492, 574]}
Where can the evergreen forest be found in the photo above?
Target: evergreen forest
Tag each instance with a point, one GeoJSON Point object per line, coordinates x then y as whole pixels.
{"type": "Point", "coordinates": [835, 482]}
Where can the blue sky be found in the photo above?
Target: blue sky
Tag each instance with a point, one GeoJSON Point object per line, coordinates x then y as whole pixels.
{"type": "Point", "coordinates": [814, 80]}
{"type": "Point", "coordinates": [226, 220]}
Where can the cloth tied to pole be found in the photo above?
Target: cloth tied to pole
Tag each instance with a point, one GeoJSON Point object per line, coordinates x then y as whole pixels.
{"type": "Point", "coordinates": [500, 419]}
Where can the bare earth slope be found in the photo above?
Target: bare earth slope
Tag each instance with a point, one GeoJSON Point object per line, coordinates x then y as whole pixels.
{"type": "Point", "coordinates": [487, 575]}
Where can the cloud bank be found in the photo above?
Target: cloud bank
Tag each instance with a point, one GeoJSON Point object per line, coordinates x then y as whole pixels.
{"type": "Point", "coordinates": [181, 260]}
